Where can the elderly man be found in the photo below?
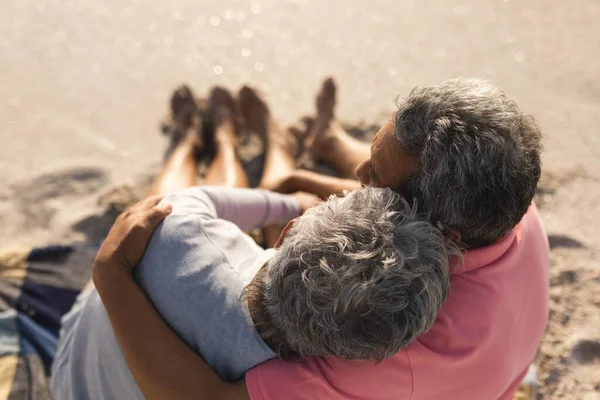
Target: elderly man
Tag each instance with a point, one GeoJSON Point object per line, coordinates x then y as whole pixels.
{"type": "Point", "coordinates": [471, 159]}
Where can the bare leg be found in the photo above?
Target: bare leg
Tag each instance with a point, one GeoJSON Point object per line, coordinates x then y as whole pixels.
{"type": "Point", "coordinates": [185, 125]}
{"type": "Point", "coordinates": [279, 148]}
{"type": "Point", "coordinates": [329, 142]}
{"type": "Point", "coordinates": [179, 172]}
{"type": "Point", "coordinates": [226, 169]}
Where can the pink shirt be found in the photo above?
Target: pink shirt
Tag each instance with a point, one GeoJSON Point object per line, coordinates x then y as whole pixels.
{"type": "Point", "coordinates": [479, 348]}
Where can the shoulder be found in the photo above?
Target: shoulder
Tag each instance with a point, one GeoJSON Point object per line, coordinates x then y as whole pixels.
{"type": "Point", "coordinates": [192, 254]}
{"type": "Point", "coordinates": [191, 229]}
{"type": "Point", "coordinates": [532, 227]}
{"type": "Point", "coordinates": [189, 201]}
{"type": "Point", "coordinates": [191, 243]}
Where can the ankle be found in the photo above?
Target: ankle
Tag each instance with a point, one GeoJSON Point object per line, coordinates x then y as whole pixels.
{"type": "Point", "coordinates": [191, 141]}
{"type": "Point", "coordinates": [225, 140]}
{"type": "Point", "coordinates": [322, 148]}
{"type": "Point", "coordinates": [225, 131]}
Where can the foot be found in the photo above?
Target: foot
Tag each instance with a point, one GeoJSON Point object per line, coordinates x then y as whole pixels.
{"type": "Point", "coordinates": [258, 119]}
{"type": "Point", "coordinates": [184, 122]}
{"type": "Point", "coordinates": [326, 98]}
{"type": "Point", "coordinates": [222, 112]}
{"type": "Point", "coordinates": [325, 129]}
{"type": "Point", "coordinates": [183, 106]}
{"type": "Point", "coordinates": [195, 135]}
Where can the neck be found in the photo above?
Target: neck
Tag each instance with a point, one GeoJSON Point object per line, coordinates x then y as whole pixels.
{"type": "Point", "coordinates": [476, 243]}
{"type": "Point", "coordinates": [268, 332]}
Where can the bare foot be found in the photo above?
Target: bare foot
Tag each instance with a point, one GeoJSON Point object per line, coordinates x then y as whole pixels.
{"type": "Point", "coordinates": [194, 135]}
{"type": "Point", "coordinates": [222, 112]}
{"type": "Point", "coordinates": [326, 99]}
{"type": "Point", "coordinates": [185, 121]}
{"type": "Point", "coordinates": [258, 118]}
{"type": "Point", "coordinates": [326, 129]}
{"type": "Point", "coordinates": [182, 107]}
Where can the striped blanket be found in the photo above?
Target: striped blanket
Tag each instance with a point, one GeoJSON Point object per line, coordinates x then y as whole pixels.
{"type": "Point", "coordinates": [37, 287]}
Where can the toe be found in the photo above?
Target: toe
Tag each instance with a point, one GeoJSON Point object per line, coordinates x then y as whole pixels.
{"type": "Point", "coordinates": [251, 103]}
{"type": "Point", "coordinates": [326, 98]}
{"type": "Point", "coordinates": [329, 86]}
{"type": "Point", "coordinates": [248, 96]}
{"type": "Point", "coordinates": [221, 97]}
{"type": "Point", "coordinates": [181, 98]}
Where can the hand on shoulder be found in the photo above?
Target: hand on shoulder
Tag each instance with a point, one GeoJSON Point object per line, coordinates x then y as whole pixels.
{"type": "Point", "coordinates": [129, 236]}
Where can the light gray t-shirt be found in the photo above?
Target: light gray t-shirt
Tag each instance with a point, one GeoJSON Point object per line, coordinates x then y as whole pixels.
{"type": "Point", "coordinates": [194, 270]}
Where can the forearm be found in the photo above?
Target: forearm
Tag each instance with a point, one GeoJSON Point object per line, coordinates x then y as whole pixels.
{"type": "Point", "coordinates": [319, 184]}
{"type": "Point", "coordinates": [160, 361]}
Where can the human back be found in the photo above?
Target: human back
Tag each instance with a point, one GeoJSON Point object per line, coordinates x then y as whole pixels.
{"type": "Point", "coordinates": [488, 331]}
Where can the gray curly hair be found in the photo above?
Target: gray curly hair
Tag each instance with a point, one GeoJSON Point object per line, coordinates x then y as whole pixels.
{"type": "Point", "coordinates": [357, 277]}
{"type": "Point", "coordinates": [478, 157]}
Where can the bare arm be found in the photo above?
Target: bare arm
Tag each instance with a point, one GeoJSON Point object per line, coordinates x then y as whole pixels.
{"type": "Point", "coordinates": [162, 364]}
{"type": "Point", "coordinates": [315, 183]}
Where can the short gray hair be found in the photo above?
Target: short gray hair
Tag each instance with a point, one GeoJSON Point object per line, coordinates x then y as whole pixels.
{"type": "Point", "coordinates": [357, 277]}
{"type": "Point", "coordinates": [478, 157]}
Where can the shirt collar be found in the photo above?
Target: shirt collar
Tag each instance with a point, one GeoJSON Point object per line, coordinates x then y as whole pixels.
{"type": "Point", "coordinates": [477, 258]}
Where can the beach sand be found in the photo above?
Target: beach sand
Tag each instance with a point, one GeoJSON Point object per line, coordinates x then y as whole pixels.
{"type": "Point", "coordinates": [84, 85]}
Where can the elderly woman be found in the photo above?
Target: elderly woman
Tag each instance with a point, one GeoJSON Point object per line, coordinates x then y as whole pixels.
{"type": "Point", "coordinates": [357, 277]}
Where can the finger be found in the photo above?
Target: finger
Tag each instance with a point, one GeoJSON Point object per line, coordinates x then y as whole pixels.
{"type": "Point", "coordinates": [154, 216]}
{"type": "Point", "coordinates": [145, 204]}
{"type": "Point", "coordinates": [152, 201]}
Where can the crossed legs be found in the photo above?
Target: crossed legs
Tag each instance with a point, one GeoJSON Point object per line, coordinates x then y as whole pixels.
{"type": "Point", "coordinates": [329, 142]}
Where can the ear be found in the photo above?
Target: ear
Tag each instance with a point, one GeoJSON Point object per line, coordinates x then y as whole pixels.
{"type": "Point", "coordinates": [284, 233]}
{"type": "Point", "coordinates": [454, 234]}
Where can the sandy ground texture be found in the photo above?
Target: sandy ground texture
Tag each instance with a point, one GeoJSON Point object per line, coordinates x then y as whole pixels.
{"type": "Point", "coordinates": [84, 84]}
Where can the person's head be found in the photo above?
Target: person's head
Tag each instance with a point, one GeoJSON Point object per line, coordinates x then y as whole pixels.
{"type": "Point", "coordinates": [465, 152]}
{"type": "Point", "coordinates": [357, 277]}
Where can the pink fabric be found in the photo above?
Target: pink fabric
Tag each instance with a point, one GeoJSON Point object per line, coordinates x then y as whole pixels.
{"type": "Point", "coordinates": [479, 348]}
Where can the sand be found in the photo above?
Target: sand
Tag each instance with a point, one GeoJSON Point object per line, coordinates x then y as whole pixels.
{"type": "Point", "coordinates": [84, 85]}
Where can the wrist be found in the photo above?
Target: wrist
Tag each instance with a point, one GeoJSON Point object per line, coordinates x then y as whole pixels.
{"type": "Point", "coordinates": [294, 182]}
{"type": "Point", "coordinates": [105, 273]}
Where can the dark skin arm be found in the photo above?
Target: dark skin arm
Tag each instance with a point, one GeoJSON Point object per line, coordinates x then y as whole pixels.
{"type": "Point", "coordinates": [162, 364]}
{"type": "Point", "coordinates": [318, 184]}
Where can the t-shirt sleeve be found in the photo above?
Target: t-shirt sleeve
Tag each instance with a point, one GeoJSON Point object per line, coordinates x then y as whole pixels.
{"type": "Point", "coordinates": [247, 208]}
